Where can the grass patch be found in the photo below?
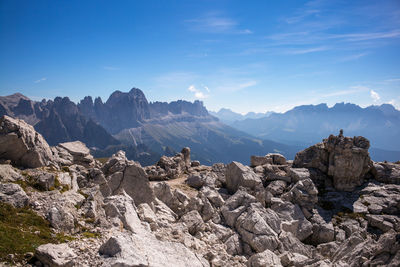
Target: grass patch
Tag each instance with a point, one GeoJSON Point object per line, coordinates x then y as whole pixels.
{"type": "Point", "coordinates": [65, 168]}
{"type": "Point", "coordinates": [83, 194]}
{"type": "Point", "coordinates": [22, 231]}
{"type": "Point", "coordinates": [102, 160]}
{"type": "Point", "coordinates": [87, 234]}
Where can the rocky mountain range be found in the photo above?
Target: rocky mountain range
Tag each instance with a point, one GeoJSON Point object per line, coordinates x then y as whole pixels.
{"type": "Point", "coordinates": [305, 125]}
{"type": "Point", "coordinates": [331, 206]}
{"type": "Point", "coordinates": [145, 130]}
{"type": "Point", "coordinates": [228, 116]}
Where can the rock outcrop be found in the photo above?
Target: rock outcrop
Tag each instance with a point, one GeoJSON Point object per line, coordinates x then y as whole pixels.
{"type": "Point", "coordinates": [344, 159]}
{"type": "Point", "coordinates": [271, 214]}
{"type": "Point", "coordinates": [21, 144]}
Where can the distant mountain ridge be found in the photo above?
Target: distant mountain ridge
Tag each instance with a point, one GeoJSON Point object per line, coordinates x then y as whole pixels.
{"type": "Point", "coordinates": [58, 121]}
{"type": "Point", "coordinates": [228, 116]}
{"type": "Point", "coordinates": [306, 125]}
{"type": "Point", "coordinates": [146, 130]}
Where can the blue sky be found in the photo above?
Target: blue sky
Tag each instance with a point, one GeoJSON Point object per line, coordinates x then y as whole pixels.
{"type": "Point", "coordinates": [242, 55]}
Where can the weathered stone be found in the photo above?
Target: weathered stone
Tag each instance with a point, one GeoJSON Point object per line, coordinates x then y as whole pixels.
{"type": "Point", "coordinates": [128, 176]}
{"type": "Point", "coordinates": [122, 207]}
{"type": "Point", "coordinates": [55, 255]}
{"type": "Point", "coordinates": [259, 228]}
{"type": "Point", "coordinates": [277, 158]}
{"type": "Point", "coordinates": [262, 259]}
{"type": "Point", "coordinates": [298, 174]}
{"type": "Point", "coordinates": [186, 156]}
{"type": "Point", "coordinates": [145, 250]}
{"type": "Point", "coordinates": [387, 172]}
{"type": "Point", "coordinates": [80, 153]}
{"type": "Point", "coordinates": [323, 232]}
{"type": "Point", "coordinates": [303, 193]}
{"type": "Point", "coordinates": [345, 159]}
{"type": "Point", "coordinates": [239, 175]}
{"type": "Point", "coordinates": [292, 218]}
{"type": "Point", "coordinates": [13, 194]}
{"type": "Point", "coordinates": [61, 219]}
{"type": "Point", "coordinates": [235, 205]}
{"type": "Point", "coordinates": [20, 143]}
{"type": "Point", "coordinates": [193, 221]}
{"type": "Point", "coordinates": [277, 187]}
{"type": "Point", "coordinates": [195, 163]}
{"type": "Point", "coordinates": [260, 160]}
{"type": "Point", "coordinates": [8, 174]}
{"type": "Point", "coordinates": [198, 180]}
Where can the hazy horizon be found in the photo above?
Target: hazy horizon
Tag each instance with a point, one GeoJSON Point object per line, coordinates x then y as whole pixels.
{"type": "Point", "coordinates": [257, 57]}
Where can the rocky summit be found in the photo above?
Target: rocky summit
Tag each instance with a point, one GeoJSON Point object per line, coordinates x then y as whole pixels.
{"type": "Point", "coordinates": [331, 206]}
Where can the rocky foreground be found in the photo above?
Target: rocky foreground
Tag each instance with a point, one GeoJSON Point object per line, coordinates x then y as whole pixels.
{"type": "Point", "coordinates": [331, 206]}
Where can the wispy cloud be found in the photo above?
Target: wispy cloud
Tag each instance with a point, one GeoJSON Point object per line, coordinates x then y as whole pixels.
{"type": "Point", "coordinates": [302, 15]}
{"type": "Point", "coordinates": [352, 57]}
{"type": "Point", "coordinates": [214, 22]}
{"type": "Point", "coordinates": [352, 90]}
{"type": "Point", "coordinates": [366, 36]}
{"type": "Point", "coordinates": [40, 80]}
{"type": "Point", "coordinates": [375, 96]}
{"type": "Point", "coordinates": [110, 68]}
{"type": "Point", "coordinates": [392, 80]}
{"type": "Point", "coordinates": [306, 50]}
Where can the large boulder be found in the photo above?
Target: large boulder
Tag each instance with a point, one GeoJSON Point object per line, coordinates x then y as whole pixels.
{"type": "Point", "coordinates": [55, 255]}
{"type": "Point", "coordinates": [239, 175]}
{"type": "Point", "coordinates": [79, 152]}
{"type": "Point", "coordinates": [387, 172]}
{"type": "Point", "coordinates": [9, 174]}
{"type": "Point", "coordinates": [128, 176]}
{"type": "Point", "coordinates": [13, 194]}
{"type": "Point", "coordinates": [20, 143]}
{"type": "Point", "coordinates": [265, 258]}
{"type": "Point", "coordinates": [344, 159]}
{"type": "Point", "coordinates": [125, 249]}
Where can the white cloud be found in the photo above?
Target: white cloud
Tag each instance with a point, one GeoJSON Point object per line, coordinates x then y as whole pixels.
{"type": "Point", "coordinates": [207, 89]}
{"type": "Point", "coordinates": [41, 80]}
{"type": "Point", "coordinates": [197, 93]}
{"type": "Point", "coordinates": [200, 95]}
{"type": "Point", "coordinates": [375, 96]}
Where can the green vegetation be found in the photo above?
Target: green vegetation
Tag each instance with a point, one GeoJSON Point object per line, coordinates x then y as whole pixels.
{"type": "Point", "coordinates": [65, 168]}
{"type": "Point", "coordinates": [341, 216]}
{"type": "Point", "coordinates": [83, 194]}
{"type": "Point", "coordinates": [22, 231]}
{"type": "Point", "coordinates": [102, 160]}
{"type": "Point", "coordinates": [88, 234]}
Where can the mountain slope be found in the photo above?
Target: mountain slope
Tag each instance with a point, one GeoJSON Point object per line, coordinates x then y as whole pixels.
{"type": "Point", "coordinates": [210, 141]}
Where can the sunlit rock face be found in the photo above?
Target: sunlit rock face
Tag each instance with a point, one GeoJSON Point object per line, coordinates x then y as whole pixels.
{"type": "Point", "coordinates": [345, 159]}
